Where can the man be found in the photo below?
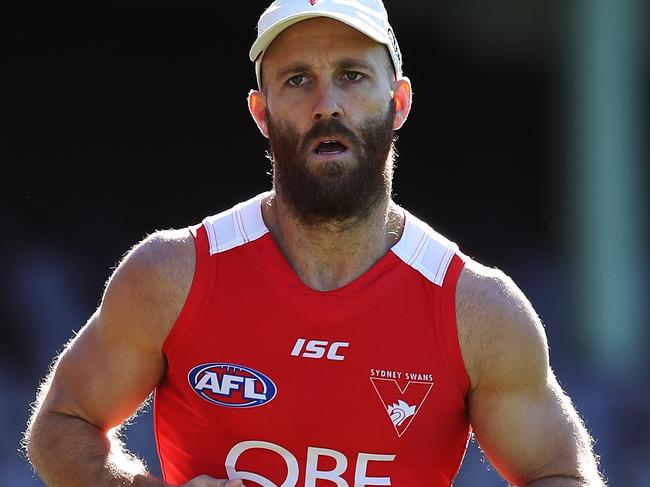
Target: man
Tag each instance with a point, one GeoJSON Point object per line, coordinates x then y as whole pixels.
{"type": "Point", "coordinates": [317, 334]}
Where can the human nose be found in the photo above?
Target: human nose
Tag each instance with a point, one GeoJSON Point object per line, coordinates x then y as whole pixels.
{"type": "Point", "coordinates": [326, 104]}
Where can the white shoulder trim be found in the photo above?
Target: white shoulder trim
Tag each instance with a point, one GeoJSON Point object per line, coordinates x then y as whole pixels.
{"type": "Point", "coordinates": [424, 249]}
{"type": "Point", "coordinates": [234, 227]}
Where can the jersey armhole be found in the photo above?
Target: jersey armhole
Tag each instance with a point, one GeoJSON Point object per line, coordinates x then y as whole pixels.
{"type": "Point", "coordinates": [451, 342]}
{"type": "Point", "coordinates": [197, 297]}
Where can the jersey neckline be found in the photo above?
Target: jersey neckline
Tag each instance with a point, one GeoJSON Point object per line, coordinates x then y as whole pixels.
{"type": "Point", "coordinates": [406, 248]}
{"type": "Point", "coordinates": [242, 227]}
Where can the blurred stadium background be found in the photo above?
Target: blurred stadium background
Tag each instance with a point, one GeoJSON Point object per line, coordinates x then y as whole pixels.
{"type": "Point", "coordinates": [528, 144]}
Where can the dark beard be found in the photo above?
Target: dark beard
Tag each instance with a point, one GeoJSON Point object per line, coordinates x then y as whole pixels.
{"type": "Point", "coordinates": [333, 193]}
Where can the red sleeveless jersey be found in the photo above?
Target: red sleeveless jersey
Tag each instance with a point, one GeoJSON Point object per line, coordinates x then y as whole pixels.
{"type": "Point", "coordinates": [280, 385]}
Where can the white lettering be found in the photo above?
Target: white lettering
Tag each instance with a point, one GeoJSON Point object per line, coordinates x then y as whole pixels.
{"type": "Point", "coordinates": [419, 377]}
{"type": "Point", "coordinates": [298, 347]}
{"type": "Point", "coordinates": [230, 383]}
{"type": "Point", "coordinates": [239, 448]}
{"type": "Point", "coordinates": [331, 354]}
{"type": "Point", "coordinates": [390, 374]}
{"type": "Point", "coordinates": [209, 380]}
{"type": "Point", "coordinates": [317, 349]}
{"type": "Point", "coordinates": [312, 473]}
{"type": "Point", "coordinates": [311, 470]}
{"type": "Point", "coordinates": [362, 466]}
{"type": "Point", "coordinates": [249, 389]}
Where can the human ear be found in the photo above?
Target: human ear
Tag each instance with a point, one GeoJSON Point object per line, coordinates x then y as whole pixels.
{"type": "Point", "coordinates": [403, 97]}
{"type": "Point", "coordinates": [257, 109]}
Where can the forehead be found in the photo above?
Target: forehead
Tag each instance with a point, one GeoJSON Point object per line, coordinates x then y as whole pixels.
{"type": "Point", "coordinates": [323, 39]}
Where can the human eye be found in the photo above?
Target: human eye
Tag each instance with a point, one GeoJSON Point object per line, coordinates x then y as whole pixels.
{"type": "Point", "coordinates": [297, 80]}
{"type": "Point", "coordinates": [353, 76]}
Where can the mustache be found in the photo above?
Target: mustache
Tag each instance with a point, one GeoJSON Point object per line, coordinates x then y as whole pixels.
{"type": "Point", "coordinates": [330, 127]}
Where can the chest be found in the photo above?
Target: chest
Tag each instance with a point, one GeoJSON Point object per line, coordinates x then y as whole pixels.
{"type": "Point", "coordinates": [299, 381]}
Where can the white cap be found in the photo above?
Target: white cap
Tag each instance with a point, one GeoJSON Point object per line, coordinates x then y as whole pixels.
{"type": "Point", "coordinates": [367, 16]}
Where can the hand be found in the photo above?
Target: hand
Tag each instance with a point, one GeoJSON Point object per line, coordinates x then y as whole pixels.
{"type": "Point", "coordinates": [207, 481]}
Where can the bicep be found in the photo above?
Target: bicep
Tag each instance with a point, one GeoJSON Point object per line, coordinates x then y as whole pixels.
{"type": "Point", "coordinates": [107, 371]}
{"type": "Point", "coordinates": [103, 375]}
{"type": "Point", "coordinates": [523, 421]}
{"type": "Point", "coordinates": [528, 431]}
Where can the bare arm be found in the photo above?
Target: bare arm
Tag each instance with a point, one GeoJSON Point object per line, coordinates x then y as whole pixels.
{"type": "Point", "coordinates": [106, 372]}
{"type": "Point", "coordinates": [525, 423]}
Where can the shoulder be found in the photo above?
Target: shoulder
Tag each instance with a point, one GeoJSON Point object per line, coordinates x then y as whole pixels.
{"type": "Point", "coordinates": [149, 286]}
{"type": "Point", "coordinates": [502, 338]}
{"type": "Point", "coordinates": [161, 251]}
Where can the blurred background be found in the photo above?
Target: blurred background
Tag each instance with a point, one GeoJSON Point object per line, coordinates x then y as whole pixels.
{"type": "Point", "coordinates": [528, 144]}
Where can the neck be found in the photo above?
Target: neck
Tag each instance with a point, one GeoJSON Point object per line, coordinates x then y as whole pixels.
{"type": "Point", "coordinates": [331, 254]}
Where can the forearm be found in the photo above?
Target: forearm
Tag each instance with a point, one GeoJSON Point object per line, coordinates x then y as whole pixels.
{"type": "Point", "coordinates": [67, 451]}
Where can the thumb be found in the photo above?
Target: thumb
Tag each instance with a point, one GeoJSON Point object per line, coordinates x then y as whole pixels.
{"type": "Point", "coordinates": [234, 483]}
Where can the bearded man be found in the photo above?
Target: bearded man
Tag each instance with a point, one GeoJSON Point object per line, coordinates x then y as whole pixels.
{"type": "Point", "coordinates": [318, 333]}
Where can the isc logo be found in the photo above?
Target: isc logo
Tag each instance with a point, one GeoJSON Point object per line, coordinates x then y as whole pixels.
{"type": "Point", "coordinates": [318, 348]}
{"type": "Point", "coordinates": [231, 385]}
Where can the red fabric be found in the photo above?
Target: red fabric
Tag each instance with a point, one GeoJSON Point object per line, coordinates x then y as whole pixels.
{"type": "Point", "coordinates": [248, 308]}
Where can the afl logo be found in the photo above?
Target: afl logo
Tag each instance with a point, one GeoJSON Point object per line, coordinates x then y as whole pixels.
{"type": "Point", "coordinates": [230, 385]}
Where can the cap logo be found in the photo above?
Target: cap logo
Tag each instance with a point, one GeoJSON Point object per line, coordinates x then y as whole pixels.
{"type": "Point", "coordinates": [312, 2]}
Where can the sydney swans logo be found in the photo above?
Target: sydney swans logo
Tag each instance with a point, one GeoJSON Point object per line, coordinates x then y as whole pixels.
{"type": "Point", "coordinates": [401, 403]}
{"type": "Point", "coordinates": [400, 412]}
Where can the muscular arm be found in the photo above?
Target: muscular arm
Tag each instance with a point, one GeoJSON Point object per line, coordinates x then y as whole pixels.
{"type": "Point", "coordinates": [522, 419]}
{"type": "Point", "coordinates": [107, 371]}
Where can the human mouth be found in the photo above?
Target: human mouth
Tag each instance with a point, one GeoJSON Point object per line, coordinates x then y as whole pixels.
{"type": "Point", "coordinates": [330, 147]}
